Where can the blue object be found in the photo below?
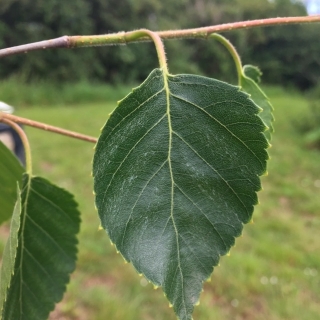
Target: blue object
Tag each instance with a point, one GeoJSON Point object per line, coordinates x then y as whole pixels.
{"type": "Point", "coordinates": [18, 146]}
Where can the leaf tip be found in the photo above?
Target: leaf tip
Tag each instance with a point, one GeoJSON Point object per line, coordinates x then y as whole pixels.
{"type": "Point", "coordinates": [228, 254]}
{"type": "Point", "coordinates": [197, 303]}
{"type": "Point", "coordinates": [170, 305]}
{"type": "Point", "coordinates": [100, 227]}
{"type": "Point", "coordinates": [155, 287]}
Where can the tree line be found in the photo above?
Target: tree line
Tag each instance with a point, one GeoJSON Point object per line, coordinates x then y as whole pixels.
{"type": "Point", "coordinates": [287, 55]}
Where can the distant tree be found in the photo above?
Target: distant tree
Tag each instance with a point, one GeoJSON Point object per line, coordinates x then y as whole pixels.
{"type": "Point", "coordinates": [36, 20]}
{"type": "Point", "coordinates": [275, 50]}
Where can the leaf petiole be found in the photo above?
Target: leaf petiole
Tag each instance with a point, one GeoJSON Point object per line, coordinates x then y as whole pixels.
{"type": "Point", "coordinates": [232, 50]}
{"type": "Point", "coordinates": [134, 35]}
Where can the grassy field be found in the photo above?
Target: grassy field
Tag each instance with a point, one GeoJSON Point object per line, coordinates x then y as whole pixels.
{"type": "Point", "coordinates": [272, 273]}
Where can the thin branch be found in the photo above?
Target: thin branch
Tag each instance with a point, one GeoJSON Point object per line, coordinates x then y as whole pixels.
{"type": "Point", "coordinates": [204, 32]}
{"type": "Point", "coordinates": [62, 42]}
{"type": "Point", "coordinates": [125, 37]}
{"type": "Point", "coordinates": [46, 127]}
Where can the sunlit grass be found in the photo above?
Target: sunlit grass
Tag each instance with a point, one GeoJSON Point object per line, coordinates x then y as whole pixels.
{"type": "Point", "coordinates": [272, 273]}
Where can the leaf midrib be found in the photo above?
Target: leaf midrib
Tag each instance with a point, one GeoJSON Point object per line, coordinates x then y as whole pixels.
{"type": "Point", "coordinates": [28, 189]}
{"type": "Point", "coordinates": [167, 90]}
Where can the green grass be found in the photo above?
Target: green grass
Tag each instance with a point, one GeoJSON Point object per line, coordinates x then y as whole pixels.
{"type": "Point", "coordinates": [272, 273]}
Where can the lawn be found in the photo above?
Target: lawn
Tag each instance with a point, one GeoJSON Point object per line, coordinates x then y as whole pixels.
{"type": "Point", "coordinates": [272, 273]}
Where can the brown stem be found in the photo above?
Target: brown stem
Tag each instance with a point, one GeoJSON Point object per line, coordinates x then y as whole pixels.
{"type": "Point", "coordinates": [46, 127]}
{"type": "Point", "coordinates": [120, 38]}
{"type": "Point", "coordinates": [62, 42]}
{"type": "Point", "coordinates": [204, 32]}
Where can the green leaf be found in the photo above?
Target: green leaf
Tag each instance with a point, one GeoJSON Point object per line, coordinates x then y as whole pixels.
{"type": "Point", "coordinates": [249, 86]}
{"type": "Point", "coordinates": [46, 252]}
{"type": "Point", "coordinates": [10, 252]}
{"type": "Point", "coordinates": [252, 72]}
{"type": "Point", "coordinates": [10, 172]}
{"type": "Point", "coordinates": [175, 176]}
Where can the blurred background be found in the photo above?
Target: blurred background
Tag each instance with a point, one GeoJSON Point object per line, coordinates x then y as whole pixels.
{"type": "Point", "coordinates": [274, 271]}
{"type": "Point", "coordinates": [287, 55]}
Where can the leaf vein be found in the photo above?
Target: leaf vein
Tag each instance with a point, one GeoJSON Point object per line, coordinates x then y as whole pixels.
{"type": "Point", "coordinates": [52, 204]}
{"type": "Point", "coordinates": [139, 196]}
{"type": "Point", "coordinates": [221, 124]}
{"type": "Point", "coordinates": [204, 214]}
{"type": "Point", "coordinates": [39, 264]}
{"type": "Point", "coordinates": [141, 104]}
{"type": "Point", "coordinates": [124, 159]}
{"type": "Point", "coordinates": [217, 172]}
{"type": "Point", "coordinates": [50, 237]}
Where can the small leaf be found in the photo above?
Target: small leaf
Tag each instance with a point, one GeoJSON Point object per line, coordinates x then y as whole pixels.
{"type": "Point", "coordinates": [175, 176]}
{"type": "Point", "coordinates": [10, 172]}
{"type": "Point", "coordinates": [252, 72]}
{"type": "Point", "coordinates": [46, 253]}
{"type": "Point", "coordinates": [250, 86]}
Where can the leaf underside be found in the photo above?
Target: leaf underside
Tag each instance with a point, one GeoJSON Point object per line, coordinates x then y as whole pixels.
{"type": "Point", "coordinates": [10, 251]}
{"type": "Point", "coordinates": [252, 72]}
{"type": "Point", "coordinates": [10, 172]}
{"type": "Point", "coordinates": [249, 84]}
{"type": "Point", "coordinates": [175, 176]}
{"type": "Point", "coordinates": [46, 252]}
